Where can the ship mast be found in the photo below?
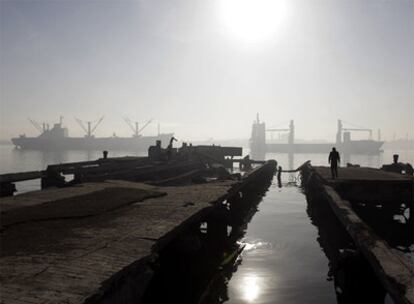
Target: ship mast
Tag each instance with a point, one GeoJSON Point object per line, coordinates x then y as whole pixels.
{"type": "Point", "coordinates": [89, 129]}
{"type": "Point", "coordinates": [134, 126]}
{"type": "Point", "coordinates": [354, 128]}
{"type": "Point", "coordinates": [37, 126]}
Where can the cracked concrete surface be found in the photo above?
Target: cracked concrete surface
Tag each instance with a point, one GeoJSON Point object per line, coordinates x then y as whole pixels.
{"type": "Point", "coordinates": [70, 245]}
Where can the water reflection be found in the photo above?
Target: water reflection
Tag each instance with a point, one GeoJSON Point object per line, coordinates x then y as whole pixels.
{"type": "Point", "coordinates": [250, 287]}
{"type": "Point", "coordinates": [280, 262]}
{"type": "Point", "coordinates": [254, 245]}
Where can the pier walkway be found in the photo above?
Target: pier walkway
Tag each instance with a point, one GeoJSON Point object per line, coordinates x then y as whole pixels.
{"type": "Point", "coordinates": [369, 186]}
{"type": "Point", "coordinates": [372, 186]}
{"type": "Point", "coordinates": [96, 242]}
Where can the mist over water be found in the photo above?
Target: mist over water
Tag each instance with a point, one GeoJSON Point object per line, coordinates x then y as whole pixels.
{"type": "Point", "coordinates": [201, 70]}
{"type": "Point", "coordinates": [15, 160]}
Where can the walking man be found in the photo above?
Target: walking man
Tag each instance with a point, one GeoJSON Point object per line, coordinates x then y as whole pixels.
{"type": "Point", "coordinates": [334, 159]}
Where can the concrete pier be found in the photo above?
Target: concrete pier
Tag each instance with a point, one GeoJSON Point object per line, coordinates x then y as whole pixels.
{"type": "Point", "coordinates": [97, 242]}
{"type": "Point", "coordinates": [369, 186]}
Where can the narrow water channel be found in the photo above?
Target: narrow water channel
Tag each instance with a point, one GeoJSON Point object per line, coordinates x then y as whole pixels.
{"type": "Point", "coordinates": [282, 261]}
{"type": "Point", "coordinates": [285, 259]}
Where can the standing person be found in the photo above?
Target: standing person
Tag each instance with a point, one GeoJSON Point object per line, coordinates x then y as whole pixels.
{"type": "Point", "coordinates": [279, 177]}
{"type": "Point", "coordinates": [334, 159]}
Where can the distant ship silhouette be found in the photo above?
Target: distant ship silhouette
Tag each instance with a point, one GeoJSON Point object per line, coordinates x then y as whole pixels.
{"type": "Point", "coordinates": [57, 138]}
{"type": "Point", "coordinates": [343, 142]}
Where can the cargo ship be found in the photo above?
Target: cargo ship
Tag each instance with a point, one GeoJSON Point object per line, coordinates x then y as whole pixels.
{"type": "Point", "coordinates": [343, 143]}
{"type": "Point", "coordinates": [58, 139]}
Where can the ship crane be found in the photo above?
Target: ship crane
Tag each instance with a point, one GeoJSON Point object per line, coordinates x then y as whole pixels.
{"type": "Point", "coordinates": [356, 128]}
{"type": "Point", "coordinates": [135, 126]}
{"type": "Point", "coordinates": [89, 129]}
{"type": "Point", "coordinates": [277, 130]}
{"type": "Point", "coordinates": [41, 128]}
{"type": "Point", "coordinates": [36, 125]}
{"type": "Point", "coordinates": [291, 131]}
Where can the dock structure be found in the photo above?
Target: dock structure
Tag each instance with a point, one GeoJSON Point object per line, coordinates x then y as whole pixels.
{"type": "Point", "coordinates": [367, 187]}
{"type": "Point", "coordinates": [186, 162]}
{"type": "Point", "coordinates": [98, 242]}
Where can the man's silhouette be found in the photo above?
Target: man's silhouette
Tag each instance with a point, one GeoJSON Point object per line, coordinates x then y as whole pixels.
{"type": "Point", "coordinates": [334, 159]}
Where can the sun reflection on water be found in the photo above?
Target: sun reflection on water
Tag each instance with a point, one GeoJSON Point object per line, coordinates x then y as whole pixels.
{"type": "Point", "coordinates": [252, 285]}
{"type": "Point", "coordinates": [250, 288]}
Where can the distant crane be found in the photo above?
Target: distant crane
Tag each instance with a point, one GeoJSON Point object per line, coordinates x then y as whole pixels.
{"type": "Point", "coordinates": [356, 128]}
{"type": "Point", "coordinates": [135, 126]}
{"type": "Point", "coordinates": [41, 128]}
{"type": "Point", "coordinates": [359, 129]}
{"type": "Point", "coordinates": [273, 130]}
{"type": "Point", "coordinates": [291, 130]}
{"type": "Point", "coordinates": [89, 129]}
{"type": "Point", "coordinates": [36, 125]}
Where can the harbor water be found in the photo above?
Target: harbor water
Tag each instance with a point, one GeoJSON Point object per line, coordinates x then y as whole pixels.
{"type": "Point", "coordinates": [284, 259]}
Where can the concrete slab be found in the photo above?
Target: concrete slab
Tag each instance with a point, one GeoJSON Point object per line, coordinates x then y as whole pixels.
{"type": "Point", "coordinates": [70, 244]}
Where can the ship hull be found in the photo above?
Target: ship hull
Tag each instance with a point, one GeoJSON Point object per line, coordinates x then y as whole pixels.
{"type": "Point", "coordinates": [84, 143]}
{"type": "Point", "coordinates": [369, 147]}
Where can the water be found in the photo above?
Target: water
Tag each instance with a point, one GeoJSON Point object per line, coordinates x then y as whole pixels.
{"type": "Point", "coordinates": [283, 261]}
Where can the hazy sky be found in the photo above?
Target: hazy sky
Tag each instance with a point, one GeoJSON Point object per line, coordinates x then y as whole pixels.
{"type": "Point", "coordinates": [204, 68]}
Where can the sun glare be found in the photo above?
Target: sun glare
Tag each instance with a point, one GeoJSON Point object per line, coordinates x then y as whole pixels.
{"type": "Point", "coordinates": [253, 21]}
{"type": "Point", "coordinates": [251, 288]}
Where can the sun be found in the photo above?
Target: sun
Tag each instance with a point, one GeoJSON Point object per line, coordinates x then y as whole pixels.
{"type": "Point", "coordinates": [253, 21]}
